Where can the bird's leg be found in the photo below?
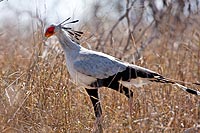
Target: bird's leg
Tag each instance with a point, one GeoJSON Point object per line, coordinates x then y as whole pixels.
{"type": "Point", "coordinates": [94, 97]}
{"type": "Point", "coordinates": [124, 90]}
{"type": "Point", "coordinates": [130, 103]}
{"type": "Point", "coordinates": [129, 94]}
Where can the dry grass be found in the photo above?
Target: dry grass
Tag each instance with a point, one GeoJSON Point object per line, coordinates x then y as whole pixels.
{"type": "Point", "coordinates": [37, 95]}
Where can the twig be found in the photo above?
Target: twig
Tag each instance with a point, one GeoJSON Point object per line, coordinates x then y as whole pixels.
{"type": "Point", "coordinates": [120, 19]}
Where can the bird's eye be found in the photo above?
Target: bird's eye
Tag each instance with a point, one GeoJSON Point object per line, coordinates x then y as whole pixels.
{"type": "Point", "coordinates": [50, 31]}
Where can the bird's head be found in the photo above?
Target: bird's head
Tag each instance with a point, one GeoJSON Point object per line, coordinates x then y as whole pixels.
{"type": "Point", "coordinates": [53, 29]}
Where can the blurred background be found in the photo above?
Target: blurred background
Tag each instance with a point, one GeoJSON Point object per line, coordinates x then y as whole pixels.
{"type": "Point", "coordinates": [37, 95]}
{"type": "Point", "coordinates": [134, 19]}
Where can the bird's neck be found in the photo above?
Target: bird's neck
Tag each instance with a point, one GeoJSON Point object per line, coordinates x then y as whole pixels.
{"type": "Point", "coordinates": [66, 43]}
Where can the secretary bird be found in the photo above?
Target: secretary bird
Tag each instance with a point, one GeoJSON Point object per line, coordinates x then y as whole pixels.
{"type": "Point", "coordinates": [93, 69]}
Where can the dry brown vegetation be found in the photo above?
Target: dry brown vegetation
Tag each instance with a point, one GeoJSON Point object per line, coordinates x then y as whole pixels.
{"type": "Point", "coordinates": [37, 95]}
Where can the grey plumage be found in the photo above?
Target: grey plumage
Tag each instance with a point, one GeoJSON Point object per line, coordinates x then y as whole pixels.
{"type": "Point", "coordinates": [95, 69]}
{"type": "Point", "coordinates": [98, 65]}
{"type": "Point", "coordinates": [87, 66]}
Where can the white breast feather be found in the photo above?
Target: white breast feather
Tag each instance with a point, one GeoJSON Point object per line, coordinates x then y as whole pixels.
{"type": "Point", "coordinates": [77, 77]}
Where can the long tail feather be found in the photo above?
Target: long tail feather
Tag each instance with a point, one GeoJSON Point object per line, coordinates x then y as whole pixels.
{"type": "Point", "coordinates": [189, 90]}
{"type": "Point", "coordinates": [177, 83]}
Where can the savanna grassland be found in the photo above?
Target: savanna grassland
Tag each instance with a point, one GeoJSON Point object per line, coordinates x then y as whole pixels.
{"type": "Point", "coordinates": [37, 95]}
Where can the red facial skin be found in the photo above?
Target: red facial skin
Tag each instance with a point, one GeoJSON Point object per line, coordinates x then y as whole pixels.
{"type": "Point", "coordinates": [50, 31]}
